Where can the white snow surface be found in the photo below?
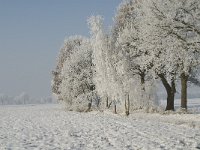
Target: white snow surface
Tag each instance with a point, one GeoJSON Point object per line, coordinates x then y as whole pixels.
{"type": "Point", "coordinates": [50, 127]}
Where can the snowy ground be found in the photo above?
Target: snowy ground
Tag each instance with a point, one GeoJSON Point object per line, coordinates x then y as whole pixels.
{"type": "Point", "coordinates": [49, 127]}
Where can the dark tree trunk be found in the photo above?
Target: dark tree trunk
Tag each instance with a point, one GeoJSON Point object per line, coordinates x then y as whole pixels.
{"type": "Point", "coordinates": [170, 97]}
{"type": "Point", "coordinates": [89, 107]}
{"type": "Point", "coordinates": [107, 105]}
{"type": "Point", "coordinates": [142, 80]}
{"type": "Point", "coordinates": [127, 106]}
{"type": "Point", "coordinates": [115, 109]}
{"type": "Point", "coordinates": [171, 90]}
{"type": "Point", "coordinates": [184, 79]}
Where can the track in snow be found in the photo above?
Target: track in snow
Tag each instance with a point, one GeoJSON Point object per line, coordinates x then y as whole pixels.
{"type": "Point", "coordinates": [50, 127]}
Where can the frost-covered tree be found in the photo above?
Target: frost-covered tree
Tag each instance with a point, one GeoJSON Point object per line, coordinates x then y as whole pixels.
{"type": "Point", "coordinates": [77, 88]}
{"type": "Point", "coordinates": [129, 41]}
{"type": "Point", "coordinates": [99, 45]}
{"type": "Point", "coordinates": [69, 45]}
{"type": "Point", "coordinates": [108, 83]}
{"type": "Point", "coordinates": [161, 55]}
{"type": "Point", "coordinates": [131, 54]}
{"type": "Point", "coordinates": [99, 42]}
{"type": "Point", "coordinates": [179, 32]}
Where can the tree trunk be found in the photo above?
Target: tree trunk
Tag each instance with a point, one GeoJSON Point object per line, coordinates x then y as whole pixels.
{"type": "Point", "coordinates": [142, 80]}
{"type": "Point", "coordinates": [89, 105]}
{"type": "Point", "coordinates": [171, 90]}
{"type": "Point", "coordinates": [115, 109]}
{"type": "Point", "coordinates": [170, 96]}
{"type": "Point", "coordinates": [184, 79]}
{"type": "Point", "coordinates": [127, 106]}
{"type": "Point", "coordinates": [107, 105]}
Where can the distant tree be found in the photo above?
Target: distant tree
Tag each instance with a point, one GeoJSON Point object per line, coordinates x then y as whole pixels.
{"type": "Point", "coordinates": [23, 98]}
{"type": "Point", "coordinates": [194, 77]}
{"type": "Point", "coordinates": [3, 99]}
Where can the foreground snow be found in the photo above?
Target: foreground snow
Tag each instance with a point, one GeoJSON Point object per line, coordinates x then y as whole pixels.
{"type": "Point", "coordinates": [50, 127]}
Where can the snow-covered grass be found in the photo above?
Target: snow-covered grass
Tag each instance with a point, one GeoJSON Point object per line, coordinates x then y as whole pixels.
{"type": "Point", "coordinates": [50, 127]}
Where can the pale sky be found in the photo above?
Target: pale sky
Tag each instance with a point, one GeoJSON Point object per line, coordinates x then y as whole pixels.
{"type": "Point", "coordinates": [31, 34]}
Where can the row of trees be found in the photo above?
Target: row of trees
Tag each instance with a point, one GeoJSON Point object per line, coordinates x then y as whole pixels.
{"type": "Point", "coordinates": [150, 41]}
{"type": "Point", "coordinates": [22, 99]}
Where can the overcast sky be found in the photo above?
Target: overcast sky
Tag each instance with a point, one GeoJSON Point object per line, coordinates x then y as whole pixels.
{"type": "Point", "coordinates": [31, 34]}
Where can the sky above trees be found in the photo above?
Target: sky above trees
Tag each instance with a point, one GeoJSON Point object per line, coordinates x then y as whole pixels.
{"type": "Point", "coordinates": [31, 34]}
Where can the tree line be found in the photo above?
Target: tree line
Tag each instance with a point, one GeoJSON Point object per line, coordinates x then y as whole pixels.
{"type": "Point", "coordinates": [23, 99]}
{"type": "Point", "coordinates": [151, 41]}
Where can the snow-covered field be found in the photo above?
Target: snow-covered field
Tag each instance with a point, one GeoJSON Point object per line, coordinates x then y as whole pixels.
{"type": "Point", "coordinates": [49, 127]}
